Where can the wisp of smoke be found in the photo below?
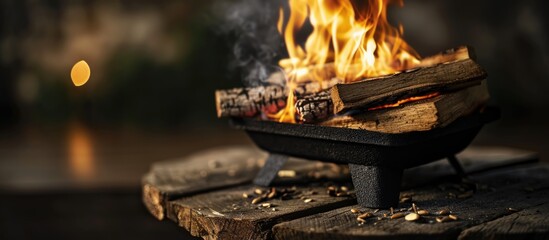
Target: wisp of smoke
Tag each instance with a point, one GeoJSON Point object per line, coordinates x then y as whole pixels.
{"type": "Point", "coordinates": [257, 43]}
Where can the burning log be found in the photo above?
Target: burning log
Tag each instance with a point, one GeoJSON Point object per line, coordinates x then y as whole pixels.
{"type": "Point", "coordinates": [446, 76]}
{"type": "Point", "coordinates": [248, 102]}
{"type": "Point", "coordinates": [445, 72]}
{"type": "Point", "coordinates": [314, 107]}
{"type": "Point", "coordinates": [317, 108]}
{"type": "Point", "coordinates": [417, 116]}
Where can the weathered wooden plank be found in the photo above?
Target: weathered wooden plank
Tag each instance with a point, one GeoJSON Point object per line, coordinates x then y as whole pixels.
{"type": "Point", "coordinates": [221, 168]}
{"type": "Point", "coordinates": [498, 191]}
{"type": "Point", "coordinates": [530, 223]}
{"type": "Point", "coordinates": [203, 171]}
{"type": "Point", "coordinates": [226, 214]}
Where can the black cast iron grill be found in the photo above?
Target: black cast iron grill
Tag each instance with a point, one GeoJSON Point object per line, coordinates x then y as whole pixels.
{"type": "Point", "coordinates": [376, 160]}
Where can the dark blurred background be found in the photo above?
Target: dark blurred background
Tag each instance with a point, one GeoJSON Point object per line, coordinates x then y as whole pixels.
{"type": "Point", "coordinates": [71, 158]}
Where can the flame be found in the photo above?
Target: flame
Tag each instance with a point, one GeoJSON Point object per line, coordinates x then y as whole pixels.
{"type": "Point", "coordinates": [80, 73]}
{"type": "Point", "coordinates": [354, 36]}
{"type": "Point", "coordinates": [406, 100]}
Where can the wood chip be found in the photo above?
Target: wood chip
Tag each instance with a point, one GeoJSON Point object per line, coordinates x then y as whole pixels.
{"type": "Point", "coordinates": [412, 217]}
{"type": "Point", "coordinates": [397, 215]}
{"type": "Point", "coordinates": [354, 210]}
{"type": "Point", "coordinates": [453, 217]}
{"type": "Point", "coordinates": [272, 194]}
{"type": "Point", "coordinates": [443, 219]}
{"type": "Point", "coordinates": [266, 205]}
{"type": "Point", "coordinates": [308, 200]}
{"type": "Point", "coordinates": [257, 200]}
{"type": "Point", "coordinates": [414, 207]}
{"type": "Point", "coordinates": [342, 194]}
{"type": "Point", "coordinates": [344, 188]}
{"type": "Point", "coordinates": [245, 195]}
{"type": "Point", "coordinates": [392, 211]}
{"type": "Point", "coordinates": [258, 191]}
{"type": "Point", "coordinates": [364, 216]}
{"type": "Point", "coordinates": [443, 212]}
{"type": "Point", "coordinates": [286, 173]}
{"type": "Point", "coordinates": [423, 212]}
{"type": "Point", "coordinates": [512, 209]}
{"type": "Point", "coordinates": [274, 209]}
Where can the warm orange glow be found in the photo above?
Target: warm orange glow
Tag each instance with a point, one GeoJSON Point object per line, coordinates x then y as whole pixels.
{"type": "Point", "coordinates": [403, 101]}
{"type": "Point", "coordinates": [81, 155]}
{"type": "Point", "coordinates": [80, 73]}
{"type": "Point", "coordinates": [354, 36]}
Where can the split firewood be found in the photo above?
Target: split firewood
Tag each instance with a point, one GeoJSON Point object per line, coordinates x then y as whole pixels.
{"type": "Point", "coordinates": [248, 102]}
{"type": "Point", "coordinates": [421, 115]}
{"type": "Point", "coordinates": [447, 76]}
{"type": "Point", "coordinates": [314, 108]}
{"type": "Point", "coordinates": [372, 92]}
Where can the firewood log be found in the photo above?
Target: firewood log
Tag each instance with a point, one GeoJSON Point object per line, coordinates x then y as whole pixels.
{"type": "Point", "coordinates": [421, 115]}
{"type": "Point", "coordinates": [446, 76]}
{"type": "Point", "coordinates": [316, 108]}
{"type": "Point", "coordinates": [249, 102]}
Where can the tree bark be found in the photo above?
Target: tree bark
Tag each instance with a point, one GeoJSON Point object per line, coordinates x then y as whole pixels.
{"type": "Point", "coordinates": [249, 102]}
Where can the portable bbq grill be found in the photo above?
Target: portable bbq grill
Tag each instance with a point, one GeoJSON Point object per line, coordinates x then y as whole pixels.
{"type": "Point", "coordinates": [376, 160]}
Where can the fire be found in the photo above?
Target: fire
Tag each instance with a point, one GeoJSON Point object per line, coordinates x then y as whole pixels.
{"type": "Point", "coordinates": [354, 36]}
{"type": "Point", "coordinates": [403, 101]}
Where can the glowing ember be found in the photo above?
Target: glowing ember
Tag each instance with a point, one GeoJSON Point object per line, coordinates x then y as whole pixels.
{"type": "Point", "coordinates": [403, 101]}
{"type": "Point", "coordinates": [354, 36]}
{"type": "Point", "coordinates": [80, 73]}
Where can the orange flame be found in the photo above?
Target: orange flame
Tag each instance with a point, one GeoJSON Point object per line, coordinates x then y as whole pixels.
{"type": "Point", "coordinates": [354, 36]}
{"type": "Point", "coordinates": [403, 101]}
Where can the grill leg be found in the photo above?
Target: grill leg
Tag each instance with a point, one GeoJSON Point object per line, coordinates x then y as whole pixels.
{"type": "Point", "coordinates": [268, 173]}
{"type": "Point", "coordinates": [376, 187]}
{"type": "Point", "coordinates": [457, 166]}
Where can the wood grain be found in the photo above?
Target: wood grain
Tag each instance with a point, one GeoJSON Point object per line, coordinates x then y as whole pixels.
{"type": "Point", "coordinates": [203, 171]}
{"type": "Point", "coordinates": [483, 206]}
{"type": "Point", "coordinates": [414, 82]}
{"type": "Point", "coordinates": [530, 223]}
{"type": "Point", "coordinates": [421, 115]}
{"type": "Point", "coordinates": [226, 214]}
{"type": "Point", "coordinates": [213, 208]}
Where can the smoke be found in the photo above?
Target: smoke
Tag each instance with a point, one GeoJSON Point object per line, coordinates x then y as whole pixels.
{"type": "Point", "coordinates": [250, 27]}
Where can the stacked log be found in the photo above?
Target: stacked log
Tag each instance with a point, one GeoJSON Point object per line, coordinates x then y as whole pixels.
{"type": "Point", "coordinates": [452, 81]}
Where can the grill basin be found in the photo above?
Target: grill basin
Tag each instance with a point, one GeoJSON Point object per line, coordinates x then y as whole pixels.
{"type": "Point", "coordinates": [376, 160]}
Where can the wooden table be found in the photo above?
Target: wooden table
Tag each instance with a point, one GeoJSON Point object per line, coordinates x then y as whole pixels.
{"type": "Point", "coordinates": [505, 196]}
